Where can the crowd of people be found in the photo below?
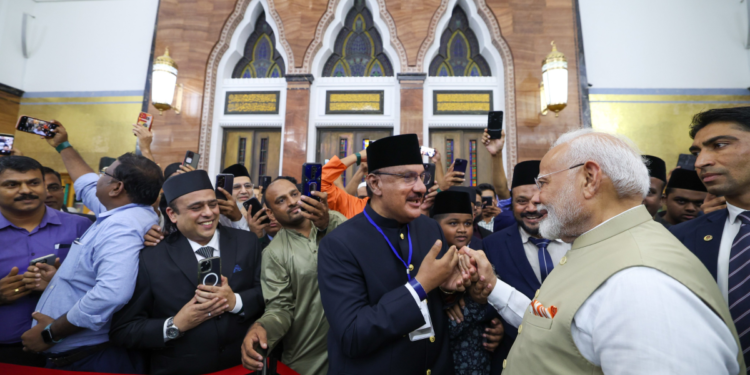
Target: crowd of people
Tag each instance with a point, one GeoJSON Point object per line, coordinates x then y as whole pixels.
{"type": "Point", "coordinates": [594, 259]}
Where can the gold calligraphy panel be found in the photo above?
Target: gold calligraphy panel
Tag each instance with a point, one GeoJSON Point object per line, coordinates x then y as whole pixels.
{"type": "Point", "coordinates": [252, 102]}
{"type": "Point", "coordinates": [461, 102]}
{"type": "Point", "coordinates": [354, 102]}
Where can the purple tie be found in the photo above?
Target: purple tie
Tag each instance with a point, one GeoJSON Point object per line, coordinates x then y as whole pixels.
{"type": "Point", "coordinates": [739, 283]}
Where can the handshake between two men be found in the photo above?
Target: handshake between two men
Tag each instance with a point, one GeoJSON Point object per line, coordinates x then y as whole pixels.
{"type": "Point", "coordinates": [458, 270]}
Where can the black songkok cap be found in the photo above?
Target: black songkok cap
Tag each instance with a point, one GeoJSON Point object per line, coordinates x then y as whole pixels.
{"type": "Point", "coordinates": [525, 172]}
{"type": "Point", "coordinates": [185, 183]}
{"type": "Point", "coordinates": [393, 151]}
{"type": "Point", "coordinates": [685, 179]}
{"type": "Point", "coordinates": [452, 202]}
{"type": "Point", "coordinates": [171, 169]}
{"type": "Point", "coordinates": [656, 167]}
{"type": "Point", "coordinates": [237, 170]}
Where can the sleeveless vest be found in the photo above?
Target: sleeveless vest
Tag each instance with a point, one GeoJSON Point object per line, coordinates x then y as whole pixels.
{"type": "Point", "coordinates": [632, 239]}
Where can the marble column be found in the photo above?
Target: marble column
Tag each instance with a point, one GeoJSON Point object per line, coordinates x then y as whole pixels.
{"type": "Point", "coordinates": [296, 123]}
{"type": "Point", "coordinates": [412, 100]}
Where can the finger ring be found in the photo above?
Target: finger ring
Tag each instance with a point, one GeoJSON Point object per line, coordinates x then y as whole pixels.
{"type": "Point", "coordinates": [16, 291]}
{"type": "Point", "coordinates": [209, 314]}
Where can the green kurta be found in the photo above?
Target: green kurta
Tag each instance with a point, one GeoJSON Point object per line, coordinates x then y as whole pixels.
{"type": "Point", "coordinates": [294, 312]}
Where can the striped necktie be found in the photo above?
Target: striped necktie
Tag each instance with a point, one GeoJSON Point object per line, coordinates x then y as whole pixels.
{"type": "Point", "coordinates": [205, 251]}
{"type": "Point", "coordinates": [738, 285]}
{"type": "Point", "coordinates": [545, 260]}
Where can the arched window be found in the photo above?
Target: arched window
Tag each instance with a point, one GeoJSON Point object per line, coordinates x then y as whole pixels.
{"type": "Point", "coordinates": [358, 51]}
{"type": "Point", "coordinates": [261, 59]}
{"type": "Point", "coordinates": [458, 55]}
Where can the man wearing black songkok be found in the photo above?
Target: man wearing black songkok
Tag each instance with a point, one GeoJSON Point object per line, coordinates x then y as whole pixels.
{"type": "Point", "coordinates": [657, 171]}
{"type": "Point", "coordinates": [379, 277]}
{"type": "Point", "coordinates": [683, 198]}
{"type": "Point", "coordinates": [190, 328]}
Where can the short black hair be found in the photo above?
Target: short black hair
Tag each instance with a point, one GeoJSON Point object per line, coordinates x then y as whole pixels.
{"type": "Point", "coordinates": [141, 178]}
{"type": "Point", "coordinates": [288, 178]}
{"type": "Point", "coordinates": [485, 186]}
{"type": "Point", "coordinates": [48, 170]}
{"type": "Point", "coordinates": [737, 115]}
{"type": "Point", "coordinates": [19, 164]}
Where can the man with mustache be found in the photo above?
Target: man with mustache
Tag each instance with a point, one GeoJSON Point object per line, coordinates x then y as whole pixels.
{"type": "Point", "coordinates": [379, 274]}
{"type": "Point", "coordinates": [721, 140]}
{"type": "Point", "coordinates": [521, 257]}
{"type": "Point", "coordinates": [28, 230]}
{"type": "Point", "coordinates": [683, 196]}
{"type": "Point", "coordinates": [187, 324]}
{"type": "Point", "coordinates": [289, 278]}
{"type": "Point", "coordinates": [56, 193]}
{"type": "Point", "coordinates": [657, 172]}
{"type": "Point", "coordinates": [627, 298]}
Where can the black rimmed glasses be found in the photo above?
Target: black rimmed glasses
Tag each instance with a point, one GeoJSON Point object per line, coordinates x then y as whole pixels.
{"type": "Point", "coordinates": [410, 178]}
{"type": "Point", "coordinates": [540, 184]}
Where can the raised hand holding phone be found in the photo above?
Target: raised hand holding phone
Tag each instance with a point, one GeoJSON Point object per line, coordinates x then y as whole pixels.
{"type": "Point", "coordinates": [255, 340]}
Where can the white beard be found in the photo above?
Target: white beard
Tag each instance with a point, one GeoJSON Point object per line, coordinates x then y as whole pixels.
{"type": "Point", "coordinates": [563, 216]}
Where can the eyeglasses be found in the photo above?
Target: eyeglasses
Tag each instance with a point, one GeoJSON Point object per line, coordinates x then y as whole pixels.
{"type": "Point", "coordinates": [248, 186]}
{"type": "Point", "coordinates": [540, 184]}
{"type": "Point", "coordinates": [108, 175]}
{"type": "Point", "coordinates": [410, 178]}
{"type": "Point", "coordinates": [54, 188]}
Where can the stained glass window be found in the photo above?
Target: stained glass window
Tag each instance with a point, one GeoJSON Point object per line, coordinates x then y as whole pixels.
{"type": "Point", "coordinates": [261, 59]}
{"type": "Point", "coordinates": [473, 162]}
{"type": "Point", "coordinates": [343, 146]}
{"type": "Point", "coordinates": [449, 152]}
{"type": "Point", "coordinates": [458, 55]}
{"type": "Point", "coordinates": [358, 51]}
{"type": "Point", "coordinates": [241, 148]}
{"type": "Point", "coordinates": [263, 159]}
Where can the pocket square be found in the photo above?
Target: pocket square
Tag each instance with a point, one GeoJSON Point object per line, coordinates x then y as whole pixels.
{"type": "Point", "coordinates": [237, 268]}
{"type": "Point", "coordinates": [538, 309]}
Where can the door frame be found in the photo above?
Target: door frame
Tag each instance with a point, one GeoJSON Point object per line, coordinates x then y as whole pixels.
{"type": "Point", "coordinates": [341, 129]}
{"type": "Point", "coordinates": [224, 131]}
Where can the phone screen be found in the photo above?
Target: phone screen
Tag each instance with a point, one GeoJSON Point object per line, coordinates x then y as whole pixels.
{"type": "Point", "coordinates": [495, 124]}
{"type": "Point", "coordinates": [6, 144]}
{"type": "Point", "coordinates": [35, 126]}
{"type": "Point", "coordinates": [145, 120]}
{"type": "Point", "coordinates": [686, 161]}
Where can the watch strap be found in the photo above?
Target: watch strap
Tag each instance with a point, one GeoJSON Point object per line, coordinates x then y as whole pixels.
{"type": "Point", "coordinates": [359, 158]}
{"type": "Point", "coordinates": [49, 338]}
{"type": "Point", "coordinates": [62, 146]}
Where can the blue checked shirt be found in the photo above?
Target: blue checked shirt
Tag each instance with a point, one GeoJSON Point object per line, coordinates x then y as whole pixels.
{"type": "Point", "coordinates": [98, 277]}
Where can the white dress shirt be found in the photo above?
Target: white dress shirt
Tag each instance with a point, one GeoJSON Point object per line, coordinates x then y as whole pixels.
{"type": "Point", "coordinates": [731, 228]}
{"type": "Point", "coordinates": [240, 224]}
{"type": "Point", "coordinates": [557, 249]}
{"type": "Point", "coordinates": [217, 253]}
{"type": "Point", "coordinates": [641, 321]}
{"type": "Point", "coordinates": [489, 226]}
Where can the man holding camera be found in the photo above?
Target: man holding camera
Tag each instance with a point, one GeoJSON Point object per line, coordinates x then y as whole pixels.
{"type": "Point", "coordinates": [193, 324]}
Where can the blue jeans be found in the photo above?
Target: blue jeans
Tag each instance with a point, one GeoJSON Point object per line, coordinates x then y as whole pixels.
{"type": "Point", "coordinates": [112, 360]}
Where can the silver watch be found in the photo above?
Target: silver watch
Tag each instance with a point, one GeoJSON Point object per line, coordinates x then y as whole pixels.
{"type": "Point", "coordinates": [172, 331]}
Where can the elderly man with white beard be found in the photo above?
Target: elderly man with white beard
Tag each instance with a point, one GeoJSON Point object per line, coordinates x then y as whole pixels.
{"type": "Point", "coordinates": [628, 298]}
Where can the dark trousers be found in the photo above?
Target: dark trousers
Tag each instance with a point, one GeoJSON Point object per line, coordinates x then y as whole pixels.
{"type": "Point", "coordinates": [14, 354]}
{"type": "Point", "coordinates": [111, 360]}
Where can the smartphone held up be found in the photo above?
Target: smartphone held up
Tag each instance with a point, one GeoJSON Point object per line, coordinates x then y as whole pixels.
{"type": "Point", "coordinates": [32, 125]}
{"type": "Point", "coordinates": [6, 143]}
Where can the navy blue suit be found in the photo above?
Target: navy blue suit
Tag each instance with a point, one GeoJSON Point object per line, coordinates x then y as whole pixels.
{"type": "Point", "coordinates": [504, 220]}
{"type": "Point", "coordinates": [505, 251]}
{"type": "Point", "coordinates": [370, 310]}
{"type": "Point", "coordinates": [693, 234]}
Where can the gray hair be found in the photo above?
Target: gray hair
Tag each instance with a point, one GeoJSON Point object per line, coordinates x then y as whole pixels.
{"type": "Point", "coordinates": [618, 156]}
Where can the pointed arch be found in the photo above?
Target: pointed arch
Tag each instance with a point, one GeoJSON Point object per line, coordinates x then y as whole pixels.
{"type": "Point", "coordinates": [459, 50]}
{"type": "Point", "coordinates": [358, 51]}
{"type": "Point", "coordinates": [260, 58]}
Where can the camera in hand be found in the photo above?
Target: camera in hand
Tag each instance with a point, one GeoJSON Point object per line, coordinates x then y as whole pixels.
{"type": "Point", "coordinates": [191, 159]}
{"type": "Point", "coordinates": [265, 181]}
{"type": "Point", "coordinates": [495, 124]}
{"type": "Point", "coordinates": [6, 144]}
{"type": "Point", "coordinates": [226, 182]}
{"type": "Point", "coordinates": [686, 161]}
{"type": "Point", "coordinates": [36, 126]}
{"type": "Point", "coordinates": [311, 174]}
{"type": "Point", "coordinates": [430, 168]}
{"type": "Point", "coordinates": [252, 206]}
{"type": "Point", "coordinates": [486, 202]}
{"type": "Point", "coordinates": [209, 271]}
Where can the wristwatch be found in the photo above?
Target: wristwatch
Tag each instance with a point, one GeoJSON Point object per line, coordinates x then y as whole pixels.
{"type": "Point", "coordinates": [47, 335]}
{"type": "Point", "coordinates": [172, 331]}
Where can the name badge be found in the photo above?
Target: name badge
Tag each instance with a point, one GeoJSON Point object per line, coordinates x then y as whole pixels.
{"type": "Point", "coordinates": [425, 331]}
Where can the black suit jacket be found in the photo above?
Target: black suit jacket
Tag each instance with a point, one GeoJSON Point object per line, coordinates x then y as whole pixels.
{"type": "Point", "coordinates": [505, 251]}
{"type": "Point", "coordinates": [694, 235]}
{"type": "Point", "coordinates": [167, 280]}
{"type": "Point", "coordinates": [371, 312]}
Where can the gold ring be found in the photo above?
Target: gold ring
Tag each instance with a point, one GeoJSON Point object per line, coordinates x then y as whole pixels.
{"type": "Point", "coordinates": [16, 291]}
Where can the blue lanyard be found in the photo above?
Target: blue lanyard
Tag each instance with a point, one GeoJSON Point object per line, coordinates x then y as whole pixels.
{"type": "Point", "coordinates": [391, 245]}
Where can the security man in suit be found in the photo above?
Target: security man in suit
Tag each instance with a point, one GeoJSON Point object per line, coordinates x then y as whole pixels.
{"type": "Point", "coordinates": [380, 278]}
{"type": "Point", "coordinates": [720, 239]}
{"type": "Point", "coordinates": [187, 325]}
{"type": "Point", "coordinates": [521, 258]}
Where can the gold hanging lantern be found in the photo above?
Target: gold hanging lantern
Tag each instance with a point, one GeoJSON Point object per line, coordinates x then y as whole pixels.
{"type": "Point", "coordinates": [555, 80]}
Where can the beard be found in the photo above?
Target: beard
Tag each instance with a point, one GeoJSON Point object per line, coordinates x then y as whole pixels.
{"type": "Point", "coordinates": [564, 216]}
